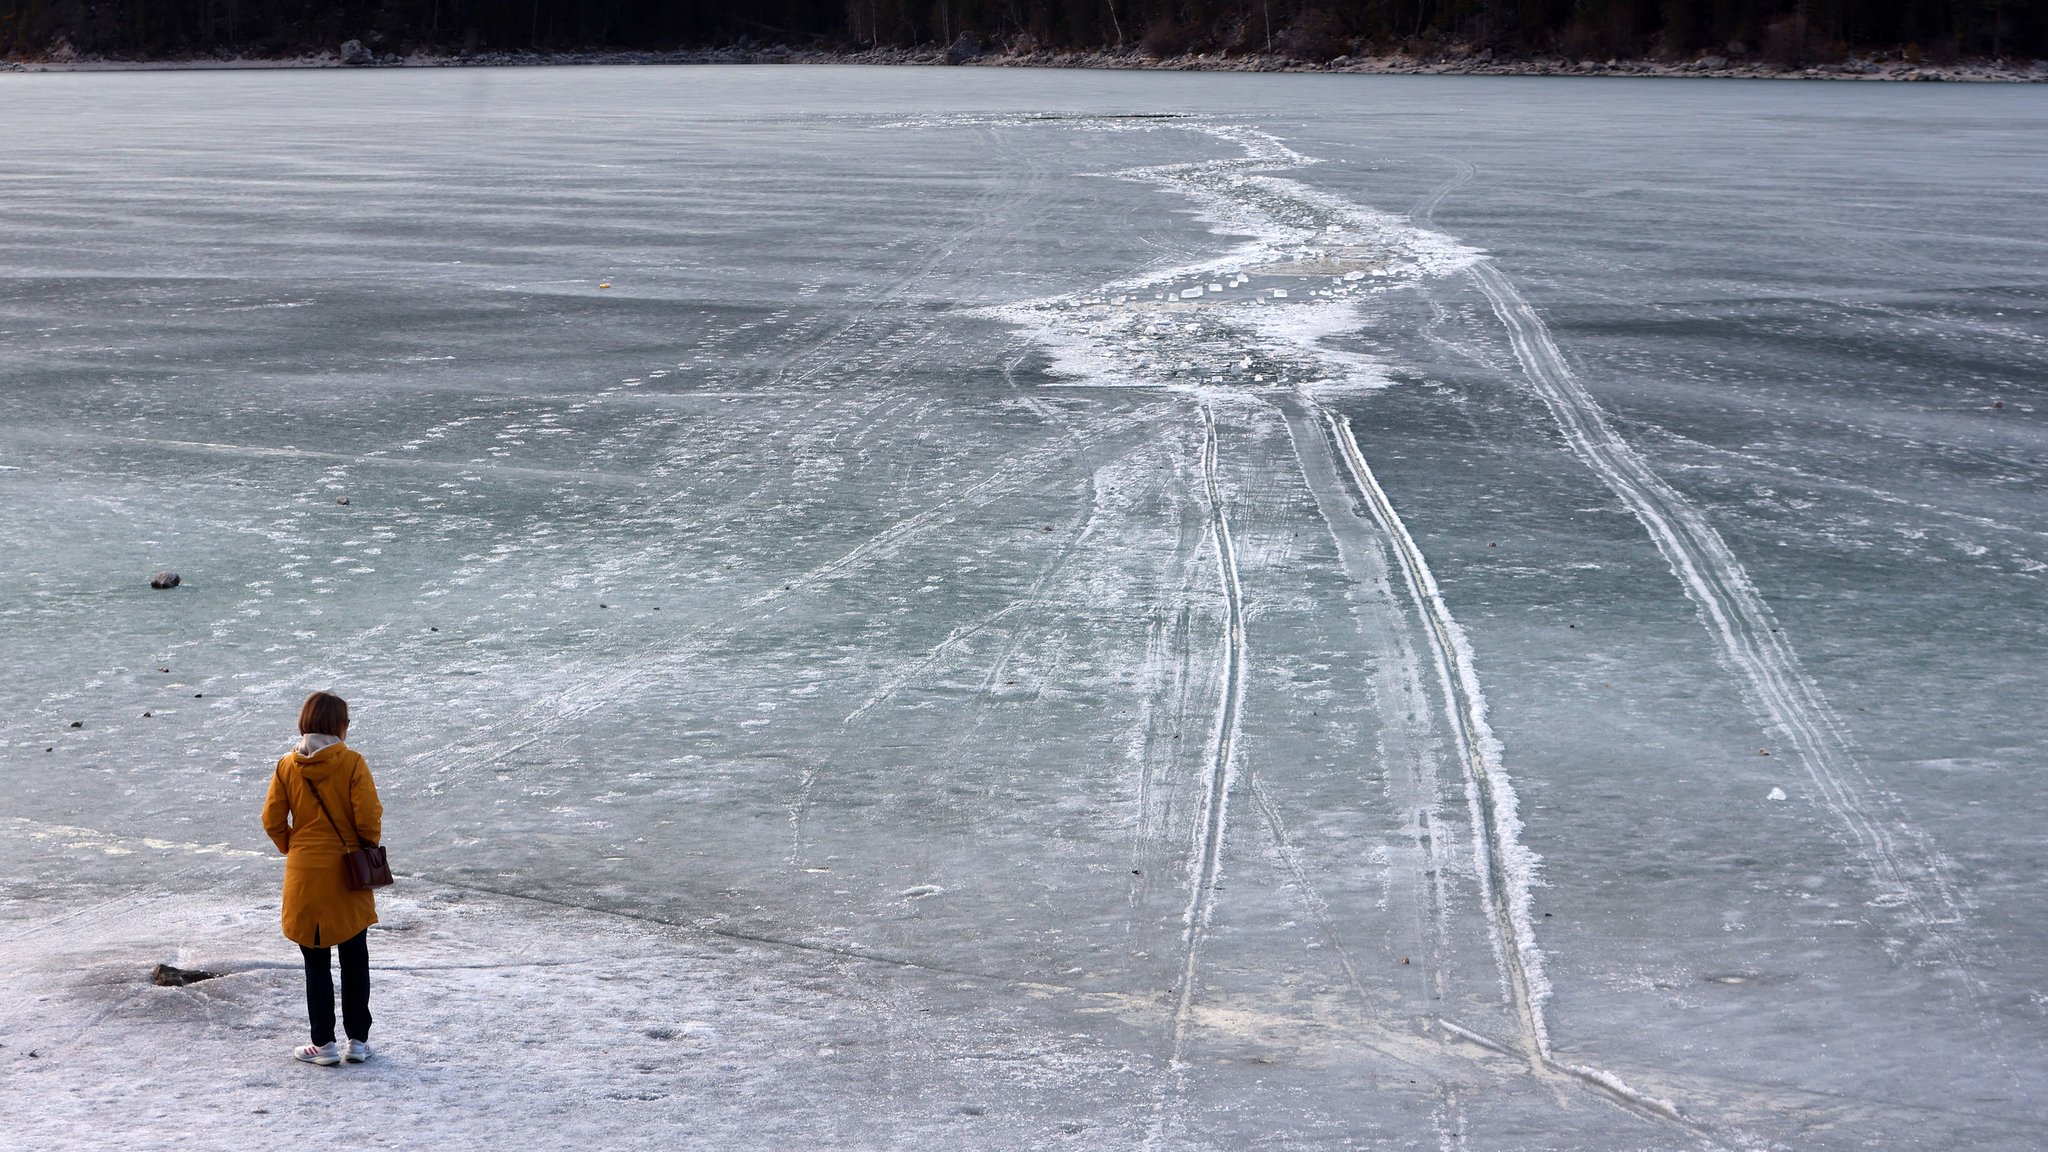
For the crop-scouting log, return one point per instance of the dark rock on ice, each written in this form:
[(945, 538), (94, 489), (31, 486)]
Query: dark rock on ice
[(342, 500), (166, 580), (78, 723), (353, 52), (165, 976)]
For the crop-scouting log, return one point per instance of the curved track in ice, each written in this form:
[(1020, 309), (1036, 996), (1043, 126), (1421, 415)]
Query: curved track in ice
[(1207, 858), (1249, 327), (1751, 644)]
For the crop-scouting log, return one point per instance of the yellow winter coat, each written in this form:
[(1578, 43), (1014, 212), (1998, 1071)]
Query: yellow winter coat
[(319, 909)]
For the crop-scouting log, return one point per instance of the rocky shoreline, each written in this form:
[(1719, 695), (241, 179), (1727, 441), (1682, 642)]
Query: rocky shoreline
[(1453, 61)]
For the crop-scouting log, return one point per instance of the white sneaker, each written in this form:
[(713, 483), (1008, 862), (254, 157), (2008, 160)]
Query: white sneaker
[(321, 1054), (355, 1051)]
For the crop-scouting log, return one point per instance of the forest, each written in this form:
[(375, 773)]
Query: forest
[(1787, 32)]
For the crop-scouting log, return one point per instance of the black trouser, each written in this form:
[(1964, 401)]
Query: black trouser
[(355, 989)]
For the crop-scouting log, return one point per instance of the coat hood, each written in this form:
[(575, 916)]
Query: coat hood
[(322, 762)]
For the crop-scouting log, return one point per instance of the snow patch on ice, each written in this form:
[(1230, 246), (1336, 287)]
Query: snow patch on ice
[(1186, 327)]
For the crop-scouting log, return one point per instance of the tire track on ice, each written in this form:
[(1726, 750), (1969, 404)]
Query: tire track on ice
[(1736, 615), (1206, 862), (1506, 867), (1414, 792)]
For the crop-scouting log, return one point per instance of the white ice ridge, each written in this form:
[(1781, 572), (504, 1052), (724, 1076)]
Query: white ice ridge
[(1255, 317)]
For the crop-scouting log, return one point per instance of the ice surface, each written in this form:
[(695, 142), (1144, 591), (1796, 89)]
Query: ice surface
[(1033, 624)]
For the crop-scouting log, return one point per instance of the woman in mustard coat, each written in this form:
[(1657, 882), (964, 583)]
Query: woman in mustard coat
[(320, 911)]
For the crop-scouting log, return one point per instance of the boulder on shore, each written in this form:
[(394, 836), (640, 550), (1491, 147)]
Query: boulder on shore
[(353, 52), (166, 580), (964, 48)]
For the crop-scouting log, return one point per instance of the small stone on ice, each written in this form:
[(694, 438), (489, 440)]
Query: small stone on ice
[(342, 500), (1776, 794), (166, 580), (165, 976), (78, 723)]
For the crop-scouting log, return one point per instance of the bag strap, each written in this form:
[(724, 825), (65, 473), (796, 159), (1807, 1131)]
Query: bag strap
[(330, 815)]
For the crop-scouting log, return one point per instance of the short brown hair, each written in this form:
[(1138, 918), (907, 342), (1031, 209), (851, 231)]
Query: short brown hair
[(324, 713)]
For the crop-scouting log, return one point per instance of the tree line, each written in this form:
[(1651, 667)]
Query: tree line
[(1784, 31)]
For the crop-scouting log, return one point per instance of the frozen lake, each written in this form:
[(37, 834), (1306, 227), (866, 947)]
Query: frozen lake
[(974, 609)]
